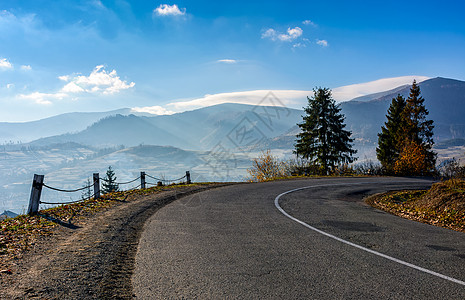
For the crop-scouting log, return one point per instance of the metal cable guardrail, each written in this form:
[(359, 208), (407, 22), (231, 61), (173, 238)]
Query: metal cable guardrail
[(38, 183), (128, 182), (68, 191), (165, 180), (69, 202)]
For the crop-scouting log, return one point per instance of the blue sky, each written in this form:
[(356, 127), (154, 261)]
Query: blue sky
[(97, 55)]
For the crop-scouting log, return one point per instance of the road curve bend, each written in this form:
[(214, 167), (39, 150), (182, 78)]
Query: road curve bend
[(311, 238)]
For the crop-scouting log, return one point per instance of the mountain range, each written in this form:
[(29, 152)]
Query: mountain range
[(214, 143), (444, 98), (60, 124), (203, 128), (200, 129)]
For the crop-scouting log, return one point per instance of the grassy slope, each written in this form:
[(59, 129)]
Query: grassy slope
[(19, 234), (442, 205)]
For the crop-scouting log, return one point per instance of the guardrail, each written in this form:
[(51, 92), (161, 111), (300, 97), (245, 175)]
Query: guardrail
[(38, 184)]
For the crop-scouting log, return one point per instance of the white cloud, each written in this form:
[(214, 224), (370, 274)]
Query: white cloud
[(292, 34), (72, 88), (154, 110), (299, 45), (64, 77), (227, 61), (270, 33), (10, 86), (350, 92), (99, 81), (294, 98), (5, 64), (169, 10), (308, 22), (287, 97), (26, 67), (323, 43), (43, 98)]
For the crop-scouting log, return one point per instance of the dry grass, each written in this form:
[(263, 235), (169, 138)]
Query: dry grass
[(442, 205), (19, 234)]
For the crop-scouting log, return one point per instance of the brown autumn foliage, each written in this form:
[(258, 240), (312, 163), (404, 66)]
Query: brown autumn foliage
[(265, 167), (412, 160), (442, 205)]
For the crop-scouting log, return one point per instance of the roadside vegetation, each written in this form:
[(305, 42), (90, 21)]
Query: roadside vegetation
[(267, 167), (442, 205), (406, 139), (21, 233), (323, 148), (322, 140)]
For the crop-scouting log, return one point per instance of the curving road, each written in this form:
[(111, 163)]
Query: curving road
[(319, 242)]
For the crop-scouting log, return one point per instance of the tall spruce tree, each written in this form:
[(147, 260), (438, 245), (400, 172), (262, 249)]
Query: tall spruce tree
[(389, 140), (406, 139), (109, 184), (419, 130), (322, 139)]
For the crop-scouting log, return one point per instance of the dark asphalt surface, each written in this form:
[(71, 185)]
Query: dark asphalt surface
[(232, 242)]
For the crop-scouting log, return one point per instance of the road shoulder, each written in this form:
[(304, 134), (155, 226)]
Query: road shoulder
[(94, 260)]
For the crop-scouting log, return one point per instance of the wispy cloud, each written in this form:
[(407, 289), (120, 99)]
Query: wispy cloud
[(43, 98), (352, 91), (290, 35), (26, 67), (11, 24), (169, 10), (322, 43), (291, 98), (287, 97), (299, 45), (227, 61), (5, 64), (154, 110), (308, 22)]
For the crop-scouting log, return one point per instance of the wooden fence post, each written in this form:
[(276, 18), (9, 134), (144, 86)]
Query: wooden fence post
[(188, 177), (96, 186), (142, 180), (36, 191)]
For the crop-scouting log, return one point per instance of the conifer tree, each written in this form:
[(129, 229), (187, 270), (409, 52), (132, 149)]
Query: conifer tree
[(109, 184), (406, 139), (419, 130), (389, 140), (323, 139), (87, 192)]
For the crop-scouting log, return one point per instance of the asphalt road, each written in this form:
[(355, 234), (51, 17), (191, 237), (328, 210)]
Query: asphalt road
[(233, 242)]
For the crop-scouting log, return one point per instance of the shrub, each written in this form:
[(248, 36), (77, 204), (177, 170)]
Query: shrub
[(412, 160), (368, 168), (265, 167), (299, 167), (451, 168)]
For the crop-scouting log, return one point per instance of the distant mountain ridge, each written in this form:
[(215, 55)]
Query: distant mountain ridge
[(204, 128), (375, 96), (60, 124), (444, 99), (199, 129)]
